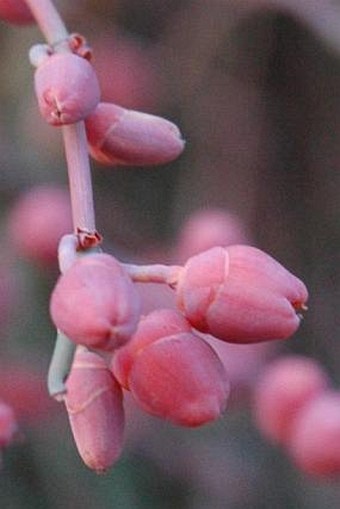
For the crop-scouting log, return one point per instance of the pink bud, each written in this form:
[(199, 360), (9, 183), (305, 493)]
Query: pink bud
[(180, 378), (67, 88), (15, 11), (314, 444), (95, 302), (8, 424), (127, 137), (240, 294), (94, 406), (156, 325), (38, 220), (283, 389)]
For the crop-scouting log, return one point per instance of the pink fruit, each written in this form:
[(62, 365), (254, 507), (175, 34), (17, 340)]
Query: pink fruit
[(38, 220), (240, 294), (94, 406), (15, 11), (152, 327), (95, 303), (314, 444), (281, 393), (118, 136), (8, 424), (180, 378), (67, 88)]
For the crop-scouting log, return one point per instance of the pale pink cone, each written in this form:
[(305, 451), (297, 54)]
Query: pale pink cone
[(314, 444), (181, 379), (94, 406), (152, 327), (118, 136), (95, 303), (240, 294), (283, 389), (16, 12), (67, 88)]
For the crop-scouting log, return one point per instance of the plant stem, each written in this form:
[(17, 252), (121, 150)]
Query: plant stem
[(79, 174), (75, 142), (48, 20), (166, 274), (60, 366)]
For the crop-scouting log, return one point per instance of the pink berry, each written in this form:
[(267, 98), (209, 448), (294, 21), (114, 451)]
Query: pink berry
[(314, 443), (15, 11), (126, 137), (38, 220), (181, 379), (94, 406), (281, 393), (67, 88), (156, 325), (206, 228), (240, 294), (8, 424), (95, 303)]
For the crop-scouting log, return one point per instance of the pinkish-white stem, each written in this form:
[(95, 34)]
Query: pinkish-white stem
[(166, 274), (48, 20), (54, 30), (79, 174)]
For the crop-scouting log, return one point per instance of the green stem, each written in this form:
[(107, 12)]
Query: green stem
[(60, 366)]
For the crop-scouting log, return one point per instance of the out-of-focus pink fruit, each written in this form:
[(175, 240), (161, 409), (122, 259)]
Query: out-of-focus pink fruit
[(8, 424), (24, 389), (94, 406), (67, 88), (37, 221), (118, 136), (281, 393), (15, 11), (208, 228), (95, 303), (314, 443), (244, 364), (180, 378), (240, 294), (152, 327), (126, 72)]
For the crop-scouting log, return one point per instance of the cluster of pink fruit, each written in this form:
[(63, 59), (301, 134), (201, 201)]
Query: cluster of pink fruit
[(295, 407), (237, 294)]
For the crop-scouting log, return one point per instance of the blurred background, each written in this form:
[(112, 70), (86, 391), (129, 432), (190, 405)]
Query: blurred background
[(254, 87)]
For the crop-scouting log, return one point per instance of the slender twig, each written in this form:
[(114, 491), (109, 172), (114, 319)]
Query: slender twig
[(166, 274), (60, 366), (54, 30), (48, 20)]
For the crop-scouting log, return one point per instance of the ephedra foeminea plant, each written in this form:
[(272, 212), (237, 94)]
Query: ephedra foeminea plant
[(237, 294)]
